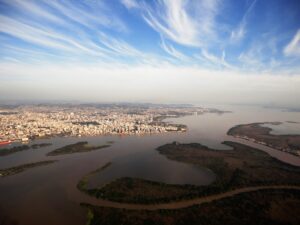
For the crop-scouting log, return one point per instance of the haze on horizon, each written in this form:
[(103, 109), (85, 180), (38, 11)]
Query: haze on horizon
[(164, 51)]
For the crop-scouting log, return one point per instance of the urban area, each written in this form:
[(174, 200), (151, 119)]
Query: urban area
[(25, 122)]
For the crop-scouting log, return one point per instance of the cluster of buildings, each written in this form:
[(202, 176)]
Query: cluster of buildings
[(28, 122)]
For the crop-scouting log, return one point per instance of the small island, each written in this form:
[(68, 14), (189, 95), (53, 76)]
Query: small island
[(257, 133), (78, 147), (18, 169), (15, 149), (41, 145)]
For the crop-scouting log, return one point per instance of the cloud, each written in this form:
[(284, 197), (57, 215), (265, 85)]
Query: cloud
[(188, 23), (129, 4), (293, 47), (91, 15), (219, 61), (239, 32), (168, 84), (173, 52), (32, 8), (190, 32), (69, 40)]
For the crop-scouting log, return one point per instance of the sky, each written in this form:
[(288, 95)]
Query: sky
[(160, 51)]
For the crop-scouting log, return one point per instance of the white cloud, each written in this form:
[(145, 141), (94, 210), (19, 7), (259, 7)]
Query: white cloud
[(129, 4), (293, 47), (91, 16), (75, 32), (173, 52), (219, 61), (239, 32), (34, 9), (101, 46), (185, 22), (144, 83)]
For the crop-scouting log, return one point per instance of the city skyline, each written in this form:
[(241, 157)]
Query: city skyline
[(151, 51)]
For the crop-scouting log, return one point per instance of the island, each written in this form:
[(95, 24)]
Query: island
[(41, 145), (18, 169), (255, 132), (78, 147), (235, 169), (15, 149)]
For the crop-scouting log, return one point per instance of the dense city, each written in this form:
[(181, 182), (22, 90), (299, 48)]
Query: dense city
[(25, 122)]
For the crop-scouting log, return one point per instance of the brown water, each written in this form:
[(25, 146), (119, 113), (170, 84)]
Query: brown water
[(48, 194)]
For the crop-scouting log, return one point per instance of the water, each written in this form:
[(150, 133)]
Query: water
[(48, 194), (286, 127)]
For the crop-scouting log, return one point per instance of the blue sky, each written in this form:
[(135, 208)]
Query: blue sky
[(209, 36)]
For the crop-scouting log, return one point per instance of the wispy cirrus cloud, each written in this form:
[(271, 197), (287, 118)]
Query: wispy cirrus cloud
[(129, 4), (135, 32), (173, 52), (60, 30), (239, 32), (189, 23), (293, 47), (219, 61)]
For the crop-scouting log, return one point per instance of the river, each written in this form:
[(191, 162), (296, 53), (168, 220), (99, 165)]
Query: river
[(48, 195)]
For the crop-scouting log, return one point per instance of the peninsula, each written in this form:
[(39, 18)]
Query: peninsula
[(241, 167), (255, 132)]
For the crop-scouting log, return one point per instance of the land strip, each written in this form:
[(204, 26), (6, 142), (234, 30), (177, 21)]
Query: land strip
[(257, 133), (78, 147), (15, 149), (21, 168)]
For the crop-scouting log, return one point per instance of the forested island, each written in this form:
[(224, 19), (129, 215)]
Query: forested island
[(78, 147), (18, 169)]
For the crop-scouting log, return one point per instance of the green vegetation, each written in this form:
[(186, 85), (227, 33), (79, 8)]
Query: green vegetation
[(265, 207), (75, 148), (241, 167), (18, 169)]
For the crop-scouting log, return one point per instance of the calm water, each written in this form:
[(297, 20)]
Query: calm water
[(286, 127), (48, 194)]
